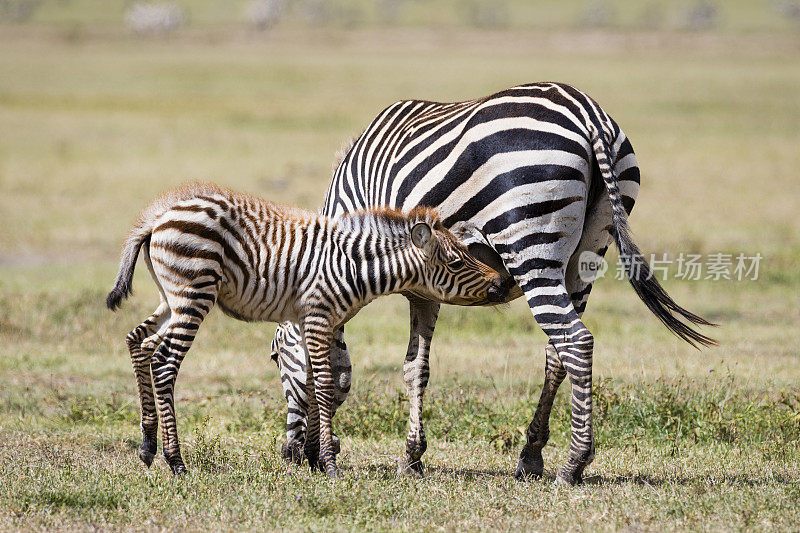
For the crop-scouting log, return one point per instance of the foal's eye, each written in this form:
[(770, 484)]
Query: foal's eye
[(458, 263)]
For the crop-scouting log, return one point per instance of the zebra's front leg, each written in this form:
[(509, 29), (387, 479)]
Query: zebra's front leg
[(416, 371), (292, 448), (311, 440), (142, 342), (289, 354), (318, 336), (531, 462), (341, 370)]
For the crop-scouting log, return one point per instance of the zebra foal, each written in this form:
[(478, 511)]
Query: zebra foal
[(259, 261)]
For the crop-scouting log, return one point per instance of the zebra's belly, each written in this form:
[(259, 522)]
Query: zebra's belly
[(257, 302)]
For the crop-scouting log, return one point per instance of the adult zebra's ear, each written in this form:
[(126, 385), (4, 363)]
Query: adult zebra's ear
[(421, 234)]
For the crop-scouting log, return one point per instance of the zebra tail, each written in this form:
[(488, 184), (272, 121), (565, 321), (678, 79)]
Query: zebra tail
[(123, 284), (637, 269)]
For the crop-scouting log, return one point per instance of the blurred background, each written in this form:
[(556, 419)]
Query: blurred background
[(114, 100), (263, 15), (103, 104)]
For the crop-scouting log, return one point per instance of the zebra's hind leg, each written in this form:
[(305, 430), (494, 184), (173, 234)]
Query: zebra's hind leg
[(416, 372), (552, 307), (579, 284), (582, 269), (141, 349), (166, 361), (531, 462), (575, 352)]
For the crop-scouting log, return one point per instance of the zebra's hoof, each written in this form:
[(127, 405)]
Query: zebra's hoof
[(146, 456), (315, 464), (411, 468), (569, 479), (292, 451), (336, 446), (332, 472), (561, 481), (529, 469), (178, 468), (147, 452), (572, 471)]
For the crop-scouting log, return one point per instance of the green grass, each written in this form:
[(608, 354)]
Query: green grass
[(92, 128)]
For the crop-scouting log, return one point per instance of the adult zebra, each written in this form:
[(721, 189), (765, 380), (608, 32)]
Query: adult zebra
[(546, 175)]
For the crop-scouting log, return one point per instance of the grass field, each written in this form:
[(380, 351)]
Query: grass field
[(92, 128)]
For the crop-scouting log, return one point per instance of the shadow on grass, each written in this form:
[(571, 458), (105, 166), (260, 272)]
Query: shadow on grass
[(389, 471), (468, 473), (700, 479), (473, 474)]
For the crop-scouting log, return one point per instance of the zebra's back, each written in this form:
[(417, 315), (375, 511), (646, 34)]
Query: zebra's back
[(471, 159)]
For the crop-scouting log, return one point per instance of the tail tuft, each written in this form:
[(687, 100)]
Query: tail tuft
[(655, 297), (123, 284), (117, 294)]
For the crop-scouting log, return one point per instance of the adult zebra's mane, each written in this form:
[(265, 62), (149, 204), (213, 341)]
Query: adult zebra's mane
[(342, 152)]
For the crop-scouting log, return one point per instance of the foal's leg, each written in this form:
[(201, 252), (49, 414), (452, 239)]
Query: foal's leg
[(318, 337), (341, 372), (166, 361), (311, 444), (290, 355), (141, 352), (416, 371)]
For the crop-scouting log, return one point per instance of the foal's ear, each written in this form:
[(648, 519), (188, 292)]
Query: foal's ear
[(421, 234)]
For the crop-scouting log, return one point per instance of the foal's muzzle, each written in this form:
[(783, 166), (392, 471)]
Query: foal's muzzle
[(499, 292), (496, 293)]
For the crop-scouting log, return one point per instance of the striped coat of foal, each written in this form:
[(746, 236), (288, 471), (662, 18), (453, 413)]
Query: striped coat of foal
[(259, 261)]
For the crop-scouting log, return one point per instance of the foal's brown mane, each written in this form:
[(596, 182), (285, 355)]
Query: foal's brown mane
[(395, 216)]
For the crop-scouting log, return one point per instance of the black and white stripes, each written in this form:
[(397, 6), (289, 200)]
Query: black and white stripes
[(544, 174), (259, 261)]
